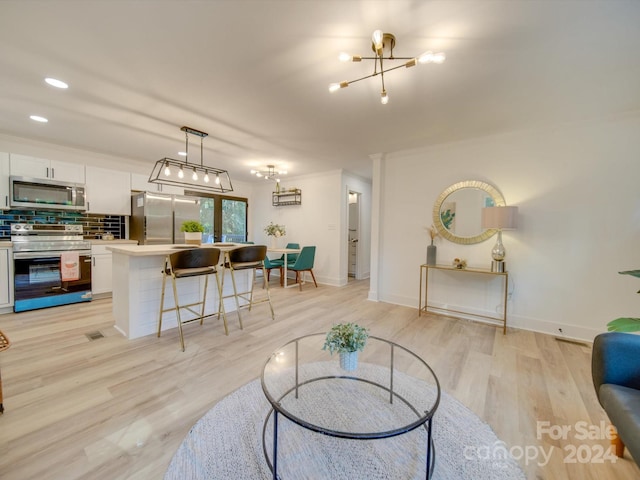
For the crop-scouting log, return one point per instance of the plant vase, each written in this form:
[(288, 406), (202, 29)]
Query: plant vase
[(193, 238), (349, 361), (431, 254), (274, 241)]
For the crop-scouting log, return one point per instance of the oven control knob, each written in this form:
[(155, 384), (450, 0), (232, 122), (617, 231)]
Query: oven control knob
[(27, 227), (17, 227)]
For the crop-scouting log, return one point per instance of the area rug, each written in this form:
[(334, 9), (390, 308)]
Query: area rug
[(227, 443)]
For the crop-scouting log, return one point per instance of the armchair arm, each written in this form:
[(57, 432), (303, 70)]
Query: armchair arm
[(616, 360)]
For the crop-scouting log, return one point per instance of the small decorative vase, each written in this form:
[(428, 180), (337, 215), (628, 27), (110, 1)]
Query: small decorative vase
[(274, 241), (193, 238), (431, 254), (349, 361)]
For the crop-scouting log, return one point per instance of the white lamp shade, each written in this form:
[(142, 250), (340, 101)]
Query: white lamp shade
[(503, 218)]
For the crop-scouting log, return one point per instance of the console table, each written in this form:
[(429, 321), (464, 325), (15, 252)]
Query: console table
[(424, 280)]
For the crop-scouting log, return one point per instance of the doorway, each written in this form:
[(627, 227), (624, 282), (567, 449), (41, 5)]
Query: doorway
[(353, 234)]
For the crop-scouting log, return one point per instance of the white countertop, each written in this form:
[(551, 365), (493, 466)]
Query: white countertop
[(111, 242), (150, 250)]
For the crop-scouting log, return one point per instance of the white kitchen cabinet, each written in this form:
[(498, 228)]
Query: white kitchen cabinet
[(141, 183), (26, 166), (108, 191), (6, 277), (101, 271), (4, 181)]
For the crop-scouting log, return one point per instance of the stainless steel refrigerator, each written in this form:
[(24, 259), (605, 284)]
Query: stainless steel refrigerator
[(156, 218)]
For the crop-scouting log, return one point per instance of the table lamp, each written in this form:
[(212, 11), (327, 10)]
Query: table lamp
[(500, 218)]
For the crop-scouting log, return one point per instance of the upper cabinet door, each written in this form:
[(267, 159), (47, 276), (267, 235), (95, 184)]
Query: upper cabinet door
[(4, 181), (141, 183), (67, 172), (108, 191), (26, 166)]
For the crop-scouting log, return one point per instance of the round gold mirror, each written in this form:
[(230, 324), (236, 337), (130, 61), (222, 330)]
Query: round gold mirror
[(457, 213)]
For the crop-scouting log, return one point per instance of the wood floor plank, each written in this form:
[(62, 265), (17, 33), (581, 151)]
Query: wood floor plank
[(117, 409)]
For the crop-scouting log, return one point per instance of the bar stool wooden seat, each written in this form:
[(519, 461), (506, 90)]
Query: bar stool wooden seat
[(250, 258), (185, 264), (4, 344)]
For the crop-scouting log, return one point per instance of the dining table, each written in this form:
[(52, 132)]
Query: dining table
[(286, 252)]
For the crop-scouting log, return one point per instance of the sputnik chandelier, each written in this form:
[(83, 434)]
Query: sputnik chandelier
[(270, 173), (382, 45), (169, 171)]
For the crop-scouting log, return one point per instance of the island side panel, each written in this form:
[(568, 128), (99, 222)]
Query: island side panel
[(137, 291)]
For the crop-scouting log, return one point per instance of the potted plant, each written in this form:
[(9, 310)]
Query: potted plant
[(626, 324), (347, 339), (192, 231), (275, 231)]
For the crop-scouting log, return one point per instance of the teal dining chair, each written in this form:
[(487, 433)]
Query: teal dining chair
[(304, 263)]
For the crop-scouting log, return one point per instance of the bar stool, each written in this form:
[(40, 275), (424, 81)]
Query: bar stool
[(251, 258), (191, 263), (4, 344)]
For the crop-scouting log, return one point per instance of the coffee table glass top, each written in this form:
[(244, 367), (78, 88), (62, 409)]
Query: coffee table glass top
[(392, 390)]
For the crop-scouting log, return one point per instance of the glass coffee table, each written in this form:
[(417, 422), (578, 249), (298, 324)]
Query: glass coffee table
[(392, 393)]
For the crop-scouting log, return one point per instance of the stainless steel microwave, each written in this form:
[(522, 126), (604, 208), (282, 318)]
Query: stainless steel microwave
[(40, 193)]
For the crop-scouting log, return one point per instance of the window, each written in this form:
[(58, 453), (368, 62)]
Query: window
[(224, 218)]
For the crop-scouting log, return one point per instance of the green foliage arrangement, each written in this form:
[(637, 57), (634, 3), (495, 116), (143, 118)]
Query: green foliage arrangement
[(626, 324), (275, 230), (191, 226), (346, 337)]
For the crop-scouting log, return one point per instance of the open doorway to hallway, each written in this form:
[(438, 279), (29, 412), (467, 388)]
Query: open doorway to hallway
[(354, 234)]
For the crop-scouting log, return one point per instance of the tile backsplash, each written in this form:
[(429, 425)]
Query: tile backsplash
[(94, 225)]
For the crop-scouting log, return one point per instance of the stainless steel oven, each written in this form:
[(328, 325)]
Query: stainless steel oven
[(52, 266)]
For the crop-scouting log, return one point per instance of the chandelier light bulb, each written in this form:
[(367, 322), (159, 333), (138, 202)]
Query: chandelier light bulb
[(195, 175), (258, 174), (376, 38), (344, 57), (206, 176), (167, 170), (426, 57), (384, 98), (439, 57), (181, 173), (217, 179)]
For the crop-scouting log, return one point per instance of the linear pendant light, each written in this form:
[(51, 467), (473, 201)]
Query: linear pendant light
[(181, 173)]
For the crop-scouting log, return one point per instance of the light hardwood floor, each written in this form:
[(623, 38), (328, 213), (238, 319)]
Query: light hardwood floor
[(118, 409)]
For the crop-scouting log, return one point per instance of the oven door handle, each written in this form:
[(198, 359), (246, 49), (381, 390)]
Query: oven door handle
[(50, 254)]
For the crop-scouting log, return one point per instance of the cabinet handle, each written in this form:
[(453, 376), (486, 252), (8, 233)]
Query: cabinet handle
[(48, 172), (93, 261), (53, 173)]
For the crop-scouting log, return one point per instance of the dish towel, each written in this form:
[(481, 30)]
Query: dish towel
[(69, 266)]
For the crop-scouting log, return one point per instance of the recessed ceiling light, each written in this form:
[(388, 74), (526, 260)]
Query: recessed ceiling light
[(38, 118), (56, 83)]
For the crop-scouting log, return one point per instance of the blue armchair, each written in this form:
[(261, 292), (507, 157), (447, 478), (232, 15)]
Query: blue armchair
[(615, 369)]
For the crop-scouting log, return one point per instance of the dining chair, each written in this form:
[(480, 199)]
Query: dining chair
[(185, 264), (304, 263), (270, 265), (249, 257), (290, 257)]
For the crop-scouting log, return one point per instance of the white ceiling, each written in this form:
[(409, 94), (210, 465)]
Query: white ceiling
[(254, 75)]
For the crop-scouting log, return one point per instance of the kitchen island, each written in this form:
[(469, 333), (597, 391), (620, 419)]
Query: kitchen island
[(137, 288)]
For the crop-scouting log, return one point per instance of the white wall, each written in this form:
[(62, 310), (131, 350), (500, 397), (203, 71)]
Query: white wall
[(319, 221), (579, 224)]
